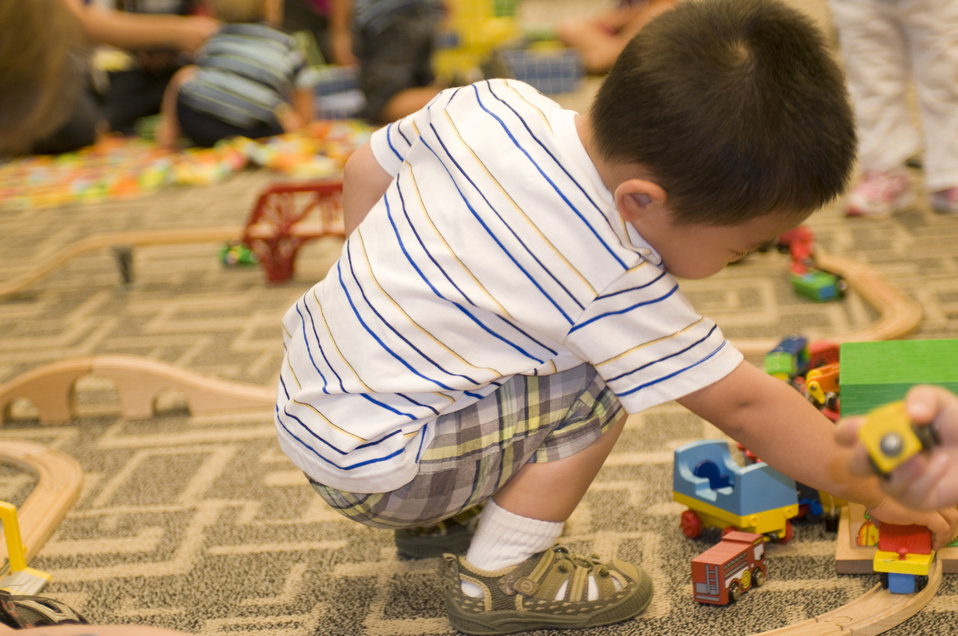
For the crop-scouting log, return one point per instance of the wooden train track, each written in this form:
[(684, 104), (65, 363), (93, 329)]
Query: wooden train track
[(874, 612), (59, 479), (52, 388), (284, 217), (898, 313), (119, 240)]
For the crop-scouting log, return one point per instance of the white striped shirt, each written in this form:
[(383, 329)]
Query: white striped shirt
[(495, 251)]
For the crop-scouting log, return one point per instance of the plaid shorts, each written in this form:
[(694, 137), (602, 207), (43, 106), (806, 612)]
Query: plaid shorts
[(478, 449)]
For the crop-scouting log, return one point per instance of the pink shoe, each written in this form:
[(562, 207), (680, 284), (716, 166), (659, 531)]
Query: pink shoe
[(945, 201), (880, 194)]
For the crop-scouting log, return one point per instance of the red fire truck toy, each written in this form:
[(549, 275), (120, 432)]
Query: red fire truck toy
[(728, 569)]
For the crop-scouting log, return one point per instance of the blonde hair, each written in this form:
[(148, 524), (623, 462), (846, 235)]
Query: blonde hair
[(39, 76), (239, 10)]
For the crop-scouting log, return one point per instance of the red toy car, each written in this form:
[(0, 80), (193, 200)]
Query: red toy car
[(728, 569)]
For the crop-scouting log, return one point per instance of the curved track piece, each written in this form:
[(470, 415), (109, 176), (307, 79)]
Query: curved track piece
[(52, 388), (898, 312), (874, 612), (117, 239), (59, 481)]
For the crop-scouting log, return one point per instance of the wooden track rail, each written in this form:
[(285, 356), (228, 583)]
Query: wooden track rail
[(874, 612), (59, 481), (52, 388), (117, 240), (898, 313), (284, 217)]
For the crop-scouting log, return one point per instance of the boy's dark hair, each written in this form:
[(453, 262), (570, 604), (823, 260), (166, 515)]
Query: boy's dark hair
[(736, 107)]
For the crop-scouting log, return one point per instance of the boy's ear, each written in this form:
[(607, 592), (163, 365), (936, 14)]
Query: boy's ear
[(635, 198)]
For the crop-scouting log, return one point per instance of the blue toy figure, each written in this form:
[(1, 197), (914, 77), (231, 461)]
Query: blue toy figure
[(721, 493)]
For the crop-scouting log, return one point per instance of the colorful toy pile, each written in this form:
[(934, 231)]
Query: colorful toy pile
[(120, 167)]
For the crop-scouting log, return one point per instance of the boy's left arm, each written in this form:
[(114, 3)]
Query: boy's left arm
[(775, 422)]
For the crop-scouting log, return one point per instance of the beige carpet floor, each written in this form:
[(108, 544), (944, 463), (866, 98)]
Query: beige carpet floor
[(200, 523)]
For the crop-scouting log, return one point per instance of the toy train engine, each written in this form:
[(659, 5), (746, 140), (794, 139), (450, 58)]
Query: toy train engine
[(721, 493), (728, 569), (789, 358), (891, 438), (822, 387), (903, 558)]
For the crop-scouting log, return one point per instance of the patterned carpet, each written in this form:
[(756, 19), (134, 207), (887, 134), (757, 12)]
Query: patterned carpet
[(199, 523)]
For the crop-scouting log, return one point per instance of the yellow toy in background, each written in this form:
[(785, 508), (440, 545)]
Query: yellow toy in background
[(475, 28), (891, 438), (20, 579)]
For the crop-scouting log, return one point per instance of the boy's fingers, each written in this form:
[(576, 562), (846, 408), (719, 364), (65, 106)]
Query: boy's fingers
[(846, 433), (859, 464), (918, 480), (942, 536)]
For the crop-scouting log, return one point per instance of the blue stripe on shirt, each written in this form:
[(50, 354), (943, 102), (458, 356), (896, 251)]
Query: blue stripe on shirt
[(664, 358), (625, 309), (555, 187), (319, 455), (675, 373), (515, 234), (457, 305), (412, 346)]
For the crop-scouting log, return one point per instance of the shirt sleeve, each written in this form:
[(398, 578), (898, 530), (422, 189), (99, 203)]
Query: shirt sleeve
[(390, 144), (648, 343)]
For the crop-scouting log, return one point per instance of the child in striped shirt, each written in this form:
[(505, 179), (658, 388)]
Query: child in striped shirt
[(509, 291), (249, 79)]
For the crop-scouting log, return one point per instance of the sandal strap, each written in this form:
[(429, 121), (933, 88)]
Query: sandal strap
[(557, 570), (21, 611)]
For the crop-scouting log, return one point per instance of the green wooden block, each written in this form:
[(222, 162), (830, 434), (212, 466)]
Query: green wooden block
[(876, 373)]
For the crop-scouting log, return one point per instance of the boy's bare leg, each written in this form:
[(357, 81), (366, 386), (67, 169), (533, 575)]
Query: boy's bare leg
[(551, 491)]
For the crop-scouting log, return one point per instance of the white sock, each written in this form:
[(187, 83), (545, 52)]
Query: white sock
[(504, 539)]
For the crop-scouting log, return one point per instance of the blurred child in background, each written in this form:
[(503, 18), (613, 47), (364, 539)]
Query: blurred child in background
[(394, 42), (888, 46), (48, 102), (161, 37), (250, 79), (601, 38)]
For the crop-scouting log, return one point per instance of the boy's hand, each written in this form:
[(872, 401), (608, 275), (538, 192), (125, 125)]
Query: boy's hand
[(942, 523), (929, 480)]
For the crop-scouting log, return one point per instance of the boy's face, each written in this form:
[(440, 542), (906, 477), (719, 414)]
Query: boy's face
[(699, 251)]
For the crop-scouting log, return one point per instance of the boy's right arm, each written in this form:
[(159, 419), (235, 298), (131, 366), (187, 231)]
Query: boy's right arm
[(927, 481), (364, 183), (779, 425)]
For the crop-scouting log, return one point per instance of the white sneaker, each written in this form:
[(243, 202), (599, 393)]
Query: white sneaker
[(945, 201), (880, 194)]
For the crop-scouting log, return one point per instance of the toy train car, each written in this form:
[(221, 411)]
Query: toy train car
[(891, 438), (819, 285), (728, 569), (903, 558), (721, 493), (788, 359)]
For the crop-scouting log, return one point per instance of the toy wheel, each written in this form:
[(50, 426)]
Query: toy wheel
[(781, 536), (758, 577), (788, 532), (920, 582), (691, 524), (734, 592), (883, 579), (728, 529)]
